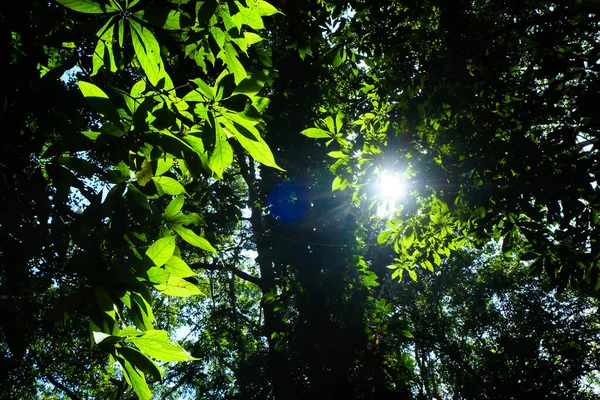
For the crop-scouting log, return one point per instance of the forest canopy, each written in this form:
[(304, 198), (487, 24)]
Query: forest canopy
[(274, 200)]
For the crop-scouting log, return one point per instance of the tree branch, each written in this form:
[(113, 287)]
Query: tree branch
[(62, 387), (237, 272)]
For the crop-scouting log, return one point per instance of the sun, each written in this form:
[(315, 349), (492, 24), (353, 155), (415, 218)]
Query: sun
[(391, 186), (390, 189)]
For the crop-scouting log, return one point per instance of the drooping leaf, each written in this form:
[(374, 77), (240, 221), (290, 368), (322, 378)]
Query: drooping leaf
[(189, 236), (147, 52), (103, 54), (141, 311), (222, 154), (99, 101), (136, 379), (141, 362)]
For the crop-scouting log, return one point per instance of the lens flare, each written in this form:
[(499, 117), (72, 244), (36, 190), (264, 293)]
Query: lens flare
[(390, 189)]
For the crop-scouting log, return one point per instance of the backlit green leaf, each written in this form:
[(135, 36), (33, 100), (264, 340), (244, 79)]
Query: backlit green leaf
[(141, 312), (187, 219), (99, 101), (89, 6), (168, 185), (147, 51), (189, 236), (177, 267), (222, 154), (161, 250), (178, 287), (141, 362), (156, 344), (136, 379), (248, 17), (157, 275), (316, 133), (174, 207), (258, 149), (263, 8), (229, 57), (145, 174)]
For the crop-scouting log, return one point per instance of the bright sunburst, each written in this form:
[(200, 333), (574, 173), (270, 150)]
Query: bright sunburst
[(390, 189)]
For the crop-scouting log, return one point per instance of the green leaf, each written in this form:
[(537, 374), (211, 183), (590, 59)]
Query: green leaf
[(257, 147), (168, 185), (253, 84), (337, 154), (339, 57), (264, 9), (187, 219), (121, 34), (339, 183), (156, 344), (142, 314), (104, 338), (137, 196), (147, 51), (316, 133), (248, 17), (383, 236), (408, 239), (177, 267), (141, 362), (189, 236), (413, 274), (178, 287), (99, 101), (203, 93), (130, 331), (103, 53), (157, 275), (339, 121), (163, 165), (161, 250), (229, 57), (164, 18), (437, 259), (407, 334), (136, 379), (222, 154), (330, 124), (174, 207), (89, 6), (145, 174)]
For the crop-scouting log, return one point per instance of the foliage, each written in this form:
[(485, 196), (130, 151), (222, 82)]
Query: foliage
[(142, 140), (141, 202)]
